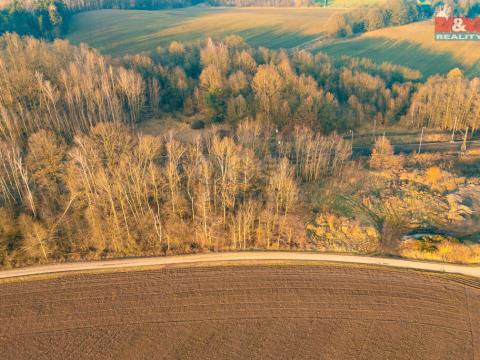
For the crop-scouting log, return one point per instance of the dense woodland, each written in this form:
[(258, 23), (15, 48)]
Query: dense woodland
[(46, 19), (261, 163)]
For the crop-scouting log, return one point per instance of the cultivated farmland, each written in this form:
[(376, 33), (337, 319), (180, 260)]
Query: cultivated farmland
[(413, 46), (262, 311), (117, 32)]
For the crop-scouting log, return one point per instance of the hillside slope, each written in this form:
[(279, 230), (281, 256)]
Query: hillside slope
[(116, 32), (413, 46)]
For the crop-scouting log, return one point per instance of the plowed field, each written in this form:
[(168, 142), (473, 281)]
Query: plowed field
[(242, 312)]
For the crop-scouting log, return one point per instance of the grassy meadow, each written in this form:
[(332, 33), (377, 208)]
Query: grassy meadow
[(413, 46), (117, 32)]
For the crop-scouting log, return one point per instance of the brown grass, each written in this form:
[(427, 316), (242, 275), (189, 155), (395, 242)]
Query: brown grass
[(449, 252)]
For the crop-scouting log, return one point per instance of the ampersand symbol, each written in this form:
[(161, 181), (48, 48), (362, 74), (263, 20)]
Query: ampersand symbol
[(458, 25)]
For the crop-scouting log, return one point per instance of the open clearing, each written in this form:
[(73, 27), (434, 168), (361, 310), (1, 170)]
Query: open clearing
[(117, 32), (413, 46), (251, 312)]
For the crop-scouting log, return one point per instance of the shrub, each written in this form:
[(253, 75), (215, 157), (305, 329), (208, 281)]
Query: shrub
[(338, 233), (198, 125), (383, 157), (441, 249)]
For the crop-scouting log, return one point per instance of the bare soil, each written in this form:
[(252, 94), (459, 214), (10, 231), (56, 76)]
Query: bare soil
[(242, 312)]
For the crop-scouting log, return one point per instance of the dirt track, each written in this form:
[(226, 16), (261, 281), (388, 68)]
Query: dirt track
[(242, 312), (473, 271)]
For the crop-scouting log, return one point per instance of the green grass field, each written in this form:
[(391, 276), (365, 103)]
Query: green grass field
[(413, 46), (117, 32)]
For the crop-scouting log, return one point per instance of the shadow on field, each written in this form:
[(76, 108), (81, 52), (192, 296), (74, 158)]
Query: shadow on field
[(403, 53)]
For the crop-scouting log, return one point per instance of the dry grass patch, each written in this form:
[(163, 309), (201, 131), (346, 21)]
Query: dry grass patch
[(441, 250)]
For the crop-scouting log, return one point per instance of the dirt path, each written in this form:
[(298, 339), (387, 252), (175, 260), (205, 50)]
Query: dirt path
[(239, 256), (426, 147)]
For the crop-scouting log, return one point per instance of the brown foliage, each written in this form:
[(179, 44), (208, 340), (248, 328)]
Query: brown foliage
[(383, 157), (53, 86)]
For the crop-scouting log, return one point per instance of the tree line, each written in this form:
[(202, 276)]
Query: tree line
[(46, 19), (470, 8), (85, 5), (227, 81), (393, 13), (451, 102), (265, 3), (59, 87), (49, 18), (62, 88), (377, 16)]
